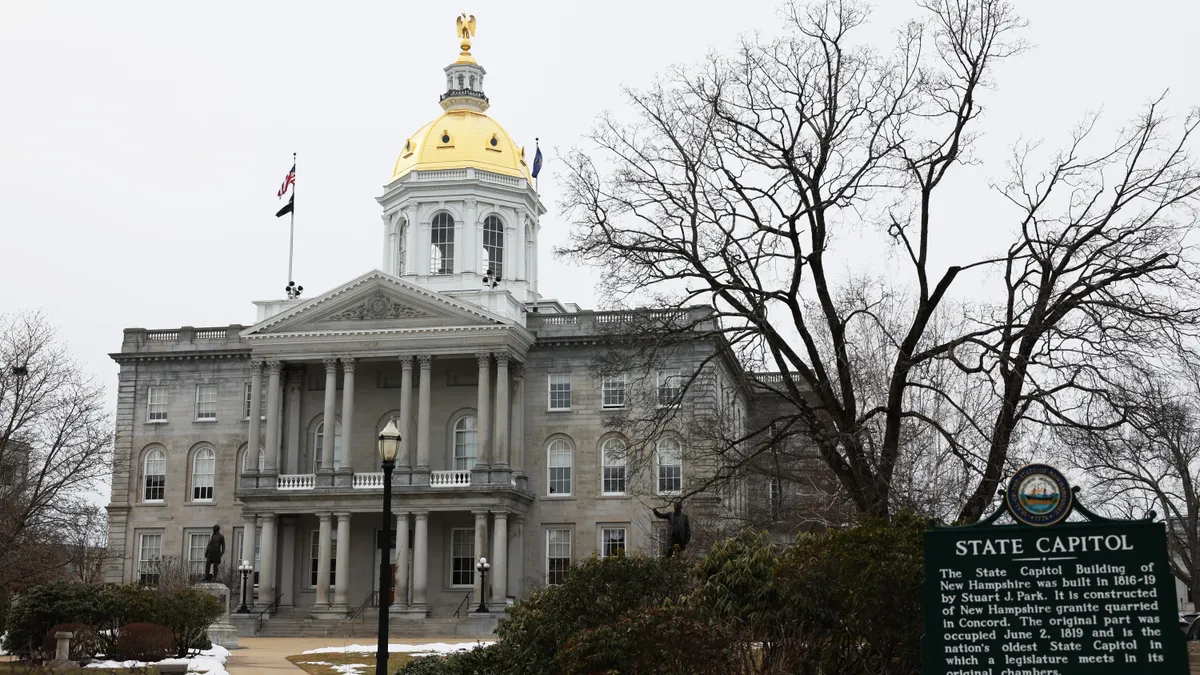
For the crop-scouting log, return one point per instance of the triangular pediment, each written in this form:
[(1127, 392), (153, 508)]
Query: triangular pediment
[(372, 302)]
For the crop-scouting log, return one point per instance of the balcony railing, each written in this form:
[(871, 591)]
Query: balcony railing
[(368, 481), (296, 481), (444, 479)]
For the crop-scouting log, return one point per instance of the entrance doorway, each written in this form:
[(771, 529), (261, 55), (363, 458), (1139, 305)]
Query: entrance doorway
[(375, 575)]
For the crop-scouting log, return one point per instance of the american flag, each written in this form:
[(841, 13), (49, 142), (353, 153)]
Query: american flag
[(288, 180)]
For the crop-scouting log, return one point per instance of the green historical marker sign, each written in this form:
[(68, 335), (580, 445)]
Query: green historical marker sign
[(1049, 597)]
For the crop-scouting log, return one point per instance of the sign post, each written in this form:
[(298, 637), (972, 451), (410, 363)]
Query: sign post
[(1044, 596)]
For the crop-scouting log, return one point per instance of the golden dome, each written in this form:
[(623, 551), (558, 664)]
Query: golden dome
[(460, 139)]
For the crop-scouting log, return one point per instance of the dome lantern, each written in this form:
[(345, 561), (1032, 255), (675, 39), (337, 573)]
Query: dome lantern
[(464, 77)]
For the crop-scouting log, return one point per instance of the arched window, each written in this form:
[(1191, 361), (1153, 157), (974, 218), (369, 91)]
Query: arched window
[(670, 466), (248, 463), (493, 247), (155, 472), (460, 81), (471, 82), (401, 247), (441, 252), (204, 465), (558, 467), (613, 476), (319, 445), (466, 443)]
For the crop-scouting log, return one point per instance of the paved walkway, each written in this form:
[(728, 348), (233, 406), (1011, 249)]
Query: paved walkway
[(269, 655)]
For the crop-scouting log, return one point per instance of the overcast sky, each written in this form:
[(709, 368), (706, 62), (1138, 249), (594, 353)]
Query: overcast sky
[(141, 144)]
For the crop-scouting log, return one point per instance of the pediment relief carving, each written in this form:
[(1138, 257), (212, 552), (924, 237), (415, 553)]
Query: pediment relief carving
[(378, 306)]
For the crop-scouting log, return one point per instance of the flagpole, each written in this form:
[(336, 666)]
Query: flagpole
[(292, 228)]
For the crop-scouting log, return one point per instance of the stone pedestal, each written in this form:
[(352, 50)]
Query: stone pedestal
[(221, 632), (62, 650)]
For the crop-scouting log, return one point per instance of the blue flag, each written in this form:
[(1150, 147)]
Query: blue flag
[(537, 162)]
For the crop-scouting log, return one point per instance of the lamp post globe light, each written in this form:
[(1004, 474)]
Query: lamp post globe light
[(389, 447), (482, 567), (245, 569)]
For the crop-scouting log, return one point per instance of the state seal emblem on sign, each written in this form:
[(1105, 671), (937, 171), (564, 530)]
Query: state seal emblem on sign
[(1038, 494)]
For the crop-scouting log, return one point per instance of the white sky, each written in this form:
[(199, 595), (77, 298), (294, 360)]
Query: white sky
[(141, 143)]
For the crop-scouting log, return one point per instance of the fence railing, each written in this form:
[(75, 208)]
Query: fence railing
[(296, 481), (449, 478), (368, 481)]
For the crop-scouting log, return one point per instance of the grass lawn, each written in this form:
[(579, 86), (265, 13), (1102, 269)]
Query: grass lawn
[(7, 668), (305, 662)]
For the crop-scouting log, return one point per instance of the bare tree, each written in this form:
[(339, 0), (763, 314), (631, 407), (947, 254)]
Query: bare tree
[(736, 183), (86, 544), (1151, 460), (55, 438)]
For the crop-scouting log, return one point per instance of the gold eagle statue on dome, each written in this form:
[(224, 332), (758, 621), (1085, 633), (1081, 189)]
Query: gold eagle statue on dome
[(466, 26)]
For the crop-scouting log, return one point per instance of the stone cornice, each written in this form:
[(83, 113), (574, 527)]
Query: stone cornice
[(122, 357)]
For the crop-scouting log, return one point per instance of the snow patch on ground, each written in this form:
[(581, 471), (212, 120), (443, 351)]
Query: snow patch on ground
[(210, 661), (346, 668), (416, 650)]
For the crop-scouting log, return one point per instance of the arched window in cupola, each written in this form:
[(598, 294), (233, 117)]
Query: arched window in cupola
[(493, 247), (441, 250)]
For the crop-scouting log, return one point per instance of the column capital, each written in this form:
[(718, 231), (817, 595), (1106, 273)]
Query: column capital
[(331, 364), (256, 364), (500, 515), (406, 361), (484, 359), (480, 514), (502, 359), (325, 515), (420, 514), (516, 369), (274, 366), (295, 377), (342, 514), (348, 363), (425, 360)]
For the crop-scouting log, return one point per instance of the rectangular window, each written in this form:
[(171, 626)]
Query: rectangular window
[(156, 406), (613, 471), (613, 390), (197, 543), (462, 557), (558, 555), (670, 467), (314, 559), (262, 408), (612, 541), (206, 401), (149, 556), (560, 391), (670, 387)]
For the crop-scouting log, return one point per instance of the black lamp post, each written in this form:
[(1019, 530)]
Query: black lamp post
[(389, 447), (482, 567), (245, 569)]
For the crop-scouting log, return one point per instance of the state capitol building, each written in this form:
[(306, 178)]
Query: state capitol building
[(270, 430)]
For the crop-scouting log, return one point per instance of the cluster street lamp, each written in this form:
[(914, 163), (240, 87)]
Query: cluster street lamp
[(482, 567), (389, 447), (245, 569)]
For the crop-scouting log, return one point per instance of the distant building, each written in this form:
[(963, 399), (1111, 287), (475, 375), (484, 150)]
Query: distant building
[(270, 430)]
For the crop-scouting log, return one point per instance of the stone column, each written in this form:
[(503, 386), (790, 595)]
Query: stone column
[(295, 390), (499, 561), (483, 411), (500, 456), (254, 436), (329, 420), (423, 414), (480, 552), (278, 448), (420, 559), (517, 438), (272, 464), (248, 530), (347, 420), (401, 583), (342, 584), (516, 555), (266, 576), (287, 559), (405, 460), (324, 551)]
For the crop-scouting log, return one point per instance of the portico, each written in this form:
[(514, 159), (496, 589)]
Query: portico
[(333, 379)]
